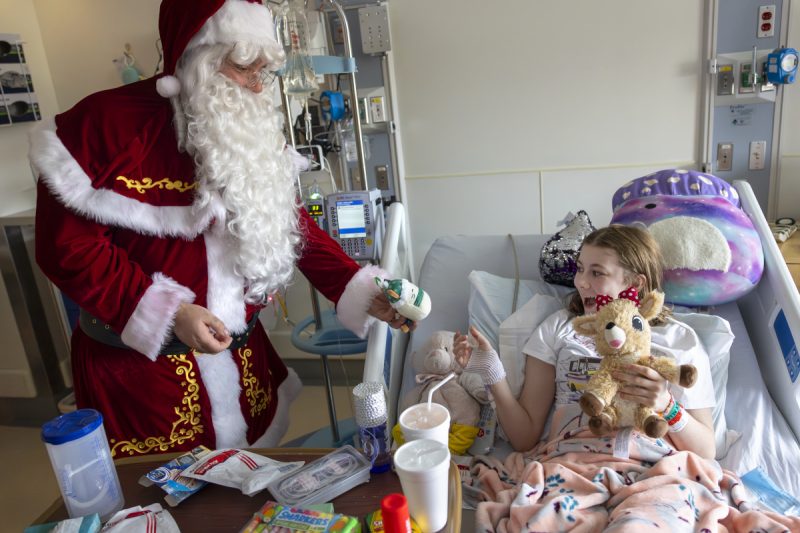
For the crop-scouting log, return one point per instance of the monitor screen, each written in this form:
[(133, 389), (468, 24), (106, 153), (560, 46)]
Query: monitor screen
[(352, 223)]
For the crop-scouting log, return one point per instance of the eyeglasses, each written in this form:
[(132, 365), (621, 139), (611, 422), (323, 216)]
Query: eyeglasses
[(253, 76)]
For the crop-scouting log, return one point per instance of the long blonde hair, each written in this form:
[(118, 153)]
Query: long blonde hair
[(638, 253)]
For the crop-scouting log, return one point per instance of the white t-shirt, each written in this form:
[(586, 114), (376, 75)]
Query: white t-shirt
[(574, 356)]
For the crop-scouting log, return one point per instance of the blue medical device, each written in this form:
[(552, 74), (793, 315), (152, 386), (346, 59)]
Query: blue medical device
[(332, 104), (782, 65)]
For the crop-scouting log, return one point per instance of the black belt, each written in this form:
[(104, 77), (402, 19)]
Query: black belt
[(98, 330)]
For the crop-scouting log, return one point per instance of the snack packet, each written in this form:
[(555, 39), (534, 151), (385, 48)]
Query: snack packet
[(169, 476), (239, 469), (274, 517)]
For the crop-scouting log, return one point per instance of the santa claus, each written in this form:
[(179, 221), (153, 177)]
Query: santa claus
[(167, 210)]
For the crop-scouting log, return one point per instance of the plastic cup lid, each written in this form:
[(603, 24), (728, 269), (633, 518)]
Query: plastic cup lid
[(71, 426)]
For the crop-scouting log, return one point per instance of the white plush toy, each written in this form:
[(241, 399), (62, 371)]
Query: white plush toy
[(406, 298)]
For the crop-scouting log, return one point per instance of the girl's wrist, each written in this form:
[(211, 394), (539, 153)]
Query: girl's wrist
[(670, 400)]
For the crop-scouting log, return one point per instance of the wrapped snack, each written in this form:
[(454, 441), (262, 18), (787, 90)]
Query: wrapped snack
[(239, 469), (81, 524), (135, 519), (169, 476), (274, 517)]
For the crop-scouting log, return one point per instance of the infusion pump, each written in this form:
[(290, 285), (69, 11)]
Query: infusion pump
[(355, 221)]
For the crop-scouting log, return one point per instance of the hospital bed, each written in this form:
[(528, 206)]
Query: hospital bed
[(762, 401)]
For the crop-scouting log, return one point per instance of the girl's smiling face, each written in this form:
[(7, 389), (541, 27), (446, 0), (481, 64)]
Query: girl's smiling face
[(599, 272)]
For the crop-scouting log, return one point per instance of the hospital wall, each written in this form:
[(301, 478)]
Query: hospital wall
[(788, 182), (511, 114)]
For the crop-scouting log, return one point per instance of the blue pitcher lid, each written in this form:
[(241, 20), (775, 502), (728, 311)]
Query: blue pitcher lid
[(71, 426)]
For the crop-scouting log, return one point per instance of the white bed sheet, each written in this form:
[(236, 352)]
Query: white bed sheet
[(766, 439)]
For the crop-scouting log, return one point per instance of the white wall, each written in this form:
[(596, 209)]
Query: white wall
[(82, 37), (513, 113), (789, 158)]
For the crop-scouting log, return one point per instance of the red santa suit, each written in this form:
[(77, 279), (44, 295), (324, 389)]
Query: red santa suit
[(116, 231)]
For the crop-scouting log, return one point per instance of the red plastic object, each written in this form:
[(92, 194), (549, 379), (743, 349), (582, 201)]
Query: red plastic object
[(394, 510)]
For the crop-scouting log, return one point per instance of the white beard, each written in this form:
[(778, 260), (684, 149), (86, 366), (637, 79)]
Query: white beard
[(237, 142)]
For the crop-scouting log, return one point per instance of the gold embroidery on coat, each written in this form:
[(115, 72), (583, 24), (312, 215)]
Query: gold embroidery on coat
[(255, 394), (186, 427), (148, 183)]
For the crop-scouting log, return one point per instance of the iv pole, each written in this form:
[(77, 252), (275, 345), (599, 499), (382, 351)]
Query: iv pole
[(362, 168)]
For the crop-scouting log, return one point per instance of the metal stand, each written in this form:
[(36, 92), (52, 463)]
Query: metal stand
[(329, 338)]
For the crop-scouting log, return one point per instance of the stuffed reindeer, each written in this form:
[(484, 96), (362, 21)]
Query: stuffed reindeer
[(621, 331)]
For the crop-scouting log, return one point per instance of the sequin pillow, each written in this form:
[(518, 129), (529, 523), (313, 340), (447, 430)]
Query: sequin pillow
[(558, 260)]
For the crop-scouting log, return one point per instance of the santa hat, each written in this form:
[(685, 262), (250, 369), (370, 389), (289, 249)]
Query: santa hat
[(186, 24)]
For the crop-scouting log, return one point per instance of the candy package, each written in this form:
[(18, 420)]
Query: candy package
[(273, 517), (169, 476), (239, 469)]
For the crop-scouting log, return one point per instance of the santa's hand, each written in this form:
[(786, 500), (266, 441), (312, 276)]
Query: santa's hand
[(198, 328), (484, 360), (381, 309)]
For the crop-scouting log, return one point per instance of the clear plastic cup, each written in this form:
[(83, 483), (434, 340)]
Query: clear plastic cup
[(78, 449)]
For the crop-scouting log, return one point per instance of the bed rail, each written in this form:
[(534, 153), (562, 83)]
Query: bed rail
[(396, 260), (772, 316)]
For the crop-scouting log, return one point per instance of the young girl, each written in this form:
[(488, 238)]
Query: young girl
[(560, 361)]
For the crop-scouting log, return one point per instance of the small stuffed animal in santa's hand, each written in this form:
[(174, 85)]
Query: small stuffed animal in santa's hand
[(406, 298)]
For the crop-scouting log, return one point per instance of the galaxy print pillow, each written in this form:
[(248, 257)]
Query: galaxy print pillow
[(712, 253), (558, 259)]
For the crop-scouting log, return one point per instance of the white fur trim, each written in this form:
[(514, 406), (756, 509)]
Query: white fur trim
[(301, 162), (288, 391), (225, 295), (150, 325), (237, 21), (220, 375), (692, 243), (168, 86), (66, 179), (356, 299)]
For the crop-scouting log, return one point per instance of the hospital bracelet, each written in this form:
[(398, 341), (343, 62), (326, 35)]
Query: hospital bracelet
[(675, 415)]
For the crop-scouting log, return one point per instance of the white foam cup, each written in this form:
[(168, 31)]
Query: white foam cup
[(422, 466), (78, 449), (419, 422)]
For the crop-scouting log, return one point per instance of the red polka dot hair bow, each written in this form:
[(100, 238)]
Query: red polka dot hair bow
[(629, 294)]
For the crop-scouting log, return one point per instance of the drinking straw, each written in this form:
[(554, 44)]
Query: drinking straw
[(433, 389)]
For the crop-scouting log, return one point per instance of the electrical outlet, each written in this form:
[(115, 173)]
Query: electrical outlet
[(766, 21), (382, 177), (758, 154), (725, 80), (725, 156), (376, 109)]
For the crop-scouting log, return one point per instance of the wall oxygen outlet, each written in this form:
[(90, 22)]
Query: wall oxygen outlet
[(758, 154), (725, 156)]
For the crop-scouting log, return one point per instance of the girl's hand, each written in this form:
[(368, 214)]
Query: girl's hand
[(643, 385), (483, 360), (461, 349)]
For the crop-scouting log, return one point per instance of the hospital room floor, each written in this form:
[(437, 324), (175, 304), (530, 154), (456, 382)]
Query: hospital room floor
[(29, 486)]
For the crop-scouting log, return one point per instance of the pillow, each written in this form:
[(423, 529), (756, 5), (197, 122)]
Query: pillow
[(514, 332), (559, 256), (491, 300), (716, 337), (489, 311), (712, 252)]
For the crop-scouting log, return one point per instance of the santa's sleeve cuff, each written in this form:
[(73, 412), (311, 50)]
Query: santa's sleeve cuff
[(357, 296), (150, 325)]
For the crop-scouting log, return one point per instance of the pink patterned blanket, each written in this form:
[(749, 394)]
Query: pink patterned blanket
[(582, 483)]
